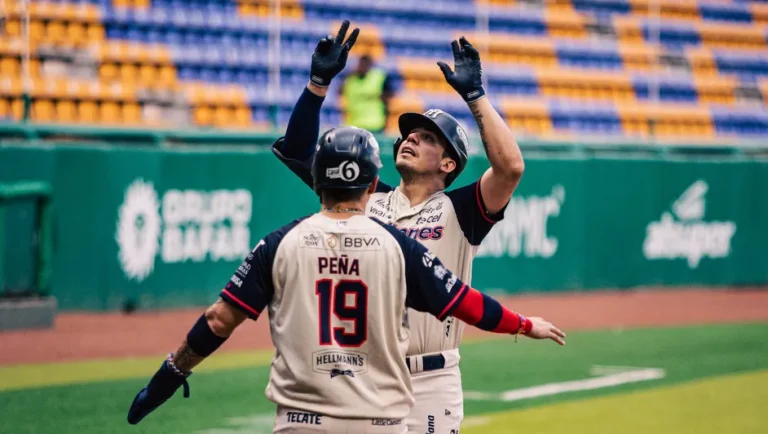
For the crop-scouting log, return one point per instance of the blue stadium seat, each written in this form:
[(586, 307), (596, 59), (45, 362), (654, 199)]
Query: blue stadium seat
[(584, 117), (726, 12), (517, 23), (608, 6), (741, 123), (584, 56), (673, 35), (743, 64)]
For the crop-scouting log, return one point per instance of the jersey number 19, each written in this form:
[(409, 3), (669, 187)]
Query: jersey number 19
[(349, 301)]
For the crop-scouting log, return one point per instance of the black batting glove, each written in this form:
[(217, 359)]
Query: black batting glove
[(330, 55), (466, 79)]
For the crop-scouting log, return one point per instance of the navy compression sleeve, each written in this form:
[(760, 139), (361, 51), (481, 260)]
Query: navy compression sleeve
[(303, 127)]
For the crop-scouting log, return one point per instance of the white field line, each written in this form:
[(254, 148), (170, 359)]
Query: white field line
[(610, 377)]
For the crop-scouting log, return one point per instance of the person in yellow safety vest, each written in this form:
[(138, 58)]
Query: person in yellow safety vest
[(366, 93)]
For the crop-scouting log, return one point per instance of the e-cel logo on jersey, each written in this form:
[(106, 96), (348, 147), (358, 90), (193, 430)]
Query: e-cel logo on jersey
[(187, 225), (683, 233)]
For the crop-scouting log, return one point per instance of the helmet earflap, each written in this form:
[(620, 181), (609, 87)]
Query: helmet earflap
[(397, 146)]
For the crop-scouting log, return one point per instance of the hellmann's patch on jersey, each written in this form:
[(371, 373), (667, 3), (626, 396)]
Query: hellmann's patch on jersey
[(340, 362), (340, 242)]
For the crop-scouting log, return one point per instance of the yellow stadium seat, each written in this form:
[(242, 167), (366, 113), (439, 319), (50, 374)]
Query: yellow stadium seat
[(131, 113), (148, 75), (95, 32), (223, 116), (128, 73), (141, 4), (76, 33), (167, 76), (36, 30), (242, 116), (110, 112), (108, 71), (34, 68), (87, 112), (13, 27), (10, 66), (17, 109), (41, 10), (121, 3), (56, 32), (42, 111), (202, 115), (5, 108), (65, 111)]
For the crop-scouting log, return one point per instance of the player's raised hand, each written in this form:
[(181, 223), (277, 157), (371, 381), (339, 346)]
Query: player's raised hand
[(466, 78), (330, 56), (543, 329)]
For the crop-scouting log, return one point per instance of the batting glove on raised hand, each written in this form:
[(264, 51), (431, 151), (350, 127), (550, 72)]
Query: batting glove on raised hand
[(161, 387), (466, 79), (330, 56)]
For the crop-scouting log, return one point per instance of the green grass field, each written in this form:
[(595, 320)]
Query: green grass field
[(700, 380)]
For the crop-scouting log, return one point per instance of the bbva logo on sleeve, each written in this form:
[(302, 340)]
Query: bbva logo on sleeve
[(683, 233), (183, 225)]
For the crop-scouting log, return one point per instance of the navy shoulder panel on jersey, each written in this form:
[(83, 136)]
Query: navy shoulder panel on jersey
[(430, 287), (250, 288), (474, 219)]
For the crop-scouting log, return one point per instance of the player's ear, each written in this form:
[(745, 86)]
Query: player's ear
[(372, 187), (447, 164)]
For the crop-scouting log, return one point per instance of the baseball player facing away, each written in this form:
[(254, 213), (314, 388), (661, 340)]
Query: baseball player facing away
[(429, 156), (336, 285)]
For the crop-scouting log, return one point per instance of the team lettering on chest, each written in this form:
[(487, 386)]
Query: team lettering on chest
[(426, 225)]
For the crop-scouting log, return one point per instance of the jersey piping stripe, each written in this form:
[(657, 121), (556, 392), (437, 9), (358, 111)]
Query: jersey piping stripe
[(480, 205), (240, 302), (455, 297)]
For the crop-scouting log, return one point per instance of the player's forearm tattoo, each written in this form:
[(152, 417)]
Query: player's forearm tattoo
[(185, 359), (480, 126)]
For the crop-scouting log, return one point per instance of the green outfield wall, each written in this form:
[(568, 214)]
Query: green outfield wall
[(168, 227)]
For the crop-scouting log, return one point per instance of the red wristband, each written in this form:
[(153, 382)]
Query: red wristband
[(525, 325)]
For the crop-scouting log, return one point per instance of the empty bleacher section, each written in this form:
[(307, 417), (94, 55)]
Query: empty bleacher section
[(555, 67)]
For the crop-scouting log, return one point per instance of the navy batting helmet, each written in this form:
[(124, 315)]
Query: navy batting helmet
[(345, 158), (445, 126)]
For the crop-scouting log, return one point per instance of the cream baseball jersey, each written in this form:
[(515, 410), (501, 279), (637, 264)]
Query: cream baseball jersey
[(337, 292), (451, 224)]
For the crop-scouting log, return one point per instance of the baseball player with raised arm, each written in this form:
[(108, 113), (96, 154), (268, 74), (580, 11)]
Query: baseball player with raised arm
[(337, 285), (430, 154)]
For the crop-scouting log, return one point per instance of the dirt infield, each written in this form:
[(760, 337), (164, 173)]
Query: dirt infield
[(84, 336)]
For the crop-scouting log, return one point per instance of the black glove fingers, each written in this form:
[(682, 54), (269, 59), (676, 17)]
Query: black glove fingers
[(343, 54), (446, 71), (352, 39), (469, 49), (324, 45), (456, 51), (342, 32)]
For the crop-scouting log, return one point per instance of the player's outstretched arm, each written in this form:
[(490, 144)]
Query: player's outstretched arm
[(432, 288), (247, 293), (435, 289), (328, 60), (210, 331), (507, 165)]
